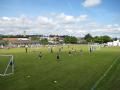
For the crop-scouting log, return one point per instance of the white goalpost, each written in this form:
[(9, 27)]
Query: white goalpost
[(9, 65), (94, 46)]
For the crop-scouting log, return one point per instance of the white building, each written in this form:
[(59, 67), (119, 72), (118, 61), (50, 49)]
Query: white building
[(114, 43), (24, 39)]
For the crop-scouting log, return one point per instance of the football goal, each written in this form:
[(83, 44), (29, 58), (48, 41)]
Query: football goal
[(6, 65), (94, 46)]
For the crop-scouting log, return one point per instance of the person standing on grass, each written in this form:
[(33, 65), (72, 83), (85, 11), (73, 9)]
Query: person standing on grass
[(40, 55), (59, 49), (81, 52), (58, 56), (73, 50), (68, 46), (90, 50), (69, 53), (51, 50), (11, 63), (62, 47), (26, 48)]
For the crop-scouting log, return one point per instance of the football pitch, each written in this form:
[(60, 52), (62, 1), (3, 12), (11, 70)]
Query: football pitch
[(99, 70)]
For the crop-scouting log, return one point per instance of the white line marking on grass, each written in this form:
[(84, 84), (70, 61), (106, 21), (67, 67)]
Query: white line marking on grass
[(106, 72)]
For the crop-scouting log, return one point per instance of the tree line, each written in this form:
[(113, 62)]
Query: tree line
[(89, 38), (97, 39), (66, 39)]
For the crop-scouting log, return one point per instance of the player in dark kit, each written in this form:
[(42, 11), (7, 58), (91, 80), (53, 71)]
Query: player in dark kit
[(11, 63), (90, 50), (59, 49), (58, 56), (69, 52), (40, 55), (51, 50), (26, 48)]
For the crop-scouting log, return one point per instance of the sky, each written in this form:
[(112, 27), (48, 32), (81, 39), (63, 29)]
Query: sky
[(60, 17)]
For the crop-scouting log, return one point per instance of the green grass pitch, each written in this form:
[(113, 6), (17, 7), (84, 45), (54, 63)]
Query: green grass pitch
[(71, 72)]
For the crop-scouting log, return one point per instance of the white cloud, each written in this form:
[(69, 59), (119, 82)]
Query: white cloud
[(83, 17), (65, 18), (6, 18), (109, 29), (61, 24), (116, 25), (13, 21), (43, 20), (109, 26), (69, 30), (91, 3)]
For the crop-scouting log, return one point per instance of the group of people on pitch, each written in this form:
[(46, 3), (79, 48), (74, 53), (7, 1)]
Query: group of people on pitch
[(40, 55)]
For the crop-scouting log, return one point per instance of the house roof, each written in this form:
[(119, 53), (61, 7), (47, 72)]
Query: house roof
[(15, 39), (9, 39)]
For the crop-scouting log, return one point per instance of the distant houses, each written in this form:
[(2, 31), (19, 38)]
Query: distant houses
[(114, 43), (18, 42), (37, 40), (54, 39), (13, 42)]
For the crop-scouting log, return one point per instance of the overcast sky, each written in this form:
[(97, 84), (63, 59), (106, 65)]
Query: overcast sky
[(62, 17)]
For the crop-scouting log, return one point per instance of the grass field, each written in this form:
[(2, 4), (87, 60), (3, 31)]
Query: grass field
[(71, 72)]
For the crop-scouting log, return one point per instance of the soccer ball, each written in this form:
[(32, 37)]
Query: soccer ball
[(28, 76), (55, 81)]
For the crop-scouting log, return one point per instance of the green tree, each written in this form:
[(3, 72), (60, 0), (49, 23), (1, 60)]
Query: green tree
[(70, 39), (35, 38), (88, 37), (73, 40), (98, 39), (44, 41), (102, 39), (106, 39), (67, 39)]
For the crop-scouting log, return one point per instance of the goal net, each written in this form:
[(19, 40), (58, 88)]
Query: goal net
[(94, 47), (6, 65)]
